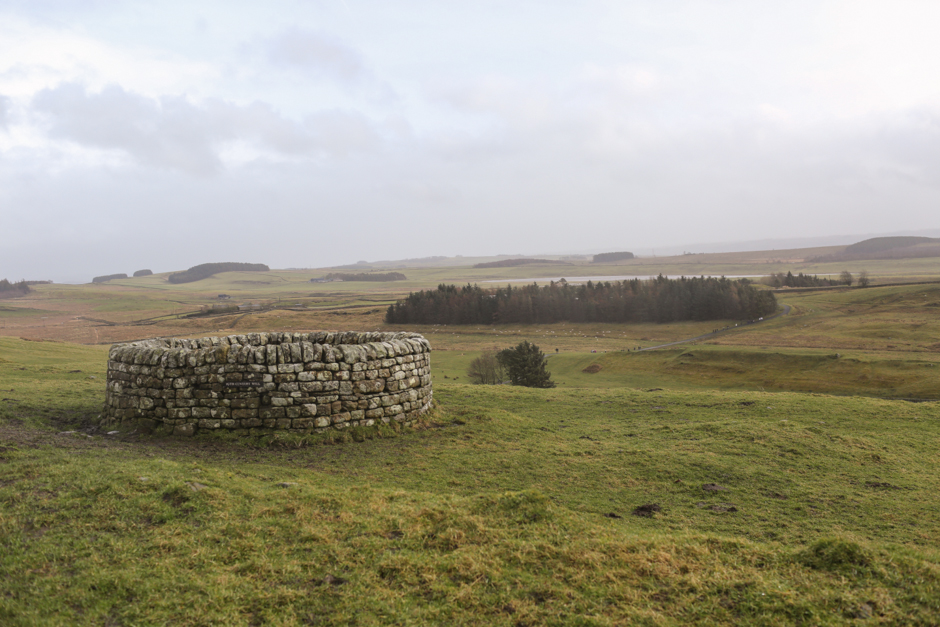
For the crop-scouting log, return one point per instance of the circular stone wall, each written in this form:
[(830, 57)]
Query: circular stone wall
[(259, 382)]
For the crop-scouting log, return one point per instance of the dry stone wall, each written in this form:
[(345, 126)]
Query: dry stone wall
[(260, 382)]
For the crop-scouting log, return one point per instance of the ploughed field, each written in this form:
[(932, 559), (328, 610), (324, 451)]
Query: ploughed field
[(766, 475)]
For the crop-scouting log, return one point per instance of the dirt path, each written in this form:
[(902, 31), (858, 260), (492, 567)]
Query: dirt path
[(785, 312)]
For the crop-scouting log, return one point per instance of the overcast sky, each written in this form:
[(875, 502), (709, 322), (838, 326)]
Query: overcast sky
[(312, 133)]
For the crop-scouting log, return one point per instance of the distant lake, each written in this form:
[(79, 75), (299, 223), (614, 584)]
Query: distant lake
[(624, 277)]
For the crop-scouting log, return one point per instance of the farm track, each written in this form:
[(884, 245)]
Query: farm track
[(785, 312)]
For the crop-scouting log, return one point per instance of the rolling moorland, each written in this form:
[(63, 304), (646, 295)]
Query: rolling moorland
[(777, 473)]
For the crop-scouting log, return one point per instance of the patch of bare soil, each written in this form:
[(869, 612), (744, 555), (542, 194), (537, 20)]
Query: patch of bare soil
[(647, 511)]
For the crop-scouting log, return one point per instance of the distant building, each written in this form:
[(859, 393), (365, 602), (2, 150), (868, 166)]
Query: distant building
[(224, 297)]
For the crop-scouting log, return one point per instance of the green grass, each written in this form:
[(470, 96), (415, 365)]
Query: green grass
[(699, 367), (900, 319), (41, 380), (511, 506)]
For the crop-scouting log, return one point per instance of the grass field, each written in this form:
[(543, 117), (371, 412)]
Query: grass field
[(511, 506), (766, 475)]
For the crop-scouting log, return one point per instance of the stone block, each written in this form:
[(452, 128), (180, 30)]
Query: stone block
[(184, 430)]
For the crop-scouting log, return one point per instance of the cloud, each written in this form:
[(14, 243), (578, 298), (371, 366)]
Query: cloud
[(318, 53), (4, 111), (341, 132), (172, 132)]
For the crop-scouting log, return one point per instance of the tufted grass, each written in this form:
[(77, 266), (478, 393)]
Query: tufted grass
[(509, 506)]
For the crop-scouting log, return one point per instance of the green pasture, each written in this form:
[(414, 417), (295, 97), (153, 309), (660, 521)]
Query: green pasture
[(730, 368), (460, 271), (43, 379), (134, 300), (898, 319), (508, 506), (21, 312), (767, 475)]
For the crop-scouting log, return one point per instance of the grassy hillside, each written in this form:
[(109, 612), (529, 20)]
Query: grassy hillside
[(729, 368), (511, 506), (880, 244), (709, 483), (715, 482)]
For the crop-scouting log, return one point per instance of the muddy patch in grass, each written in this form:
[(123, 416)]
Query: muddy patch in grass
[(647, 511)]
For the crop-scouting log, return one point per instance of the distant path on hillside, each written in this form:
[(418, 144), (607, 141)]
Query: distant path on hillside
[(785, 312)]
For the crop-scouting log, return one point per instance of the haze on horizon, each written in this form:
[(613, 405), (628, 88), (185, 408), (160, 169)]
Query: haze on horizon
[(308, 134)]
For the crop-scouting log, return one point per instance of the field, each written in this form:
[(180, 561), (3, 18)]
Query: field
[(770, 474)]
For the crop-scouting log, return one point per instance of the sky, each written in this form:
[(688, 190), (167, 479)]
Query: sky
[(315, 133)]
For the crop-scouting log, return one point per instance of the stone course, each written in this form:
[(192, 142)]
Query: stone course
[(263, 382)]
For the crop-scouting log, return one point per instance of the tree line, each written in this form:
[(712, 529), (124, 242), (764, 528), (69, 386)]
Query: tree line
[(108, 277), (789, 279), (21, 287), (205, 270), (656, 300), (612, 257)]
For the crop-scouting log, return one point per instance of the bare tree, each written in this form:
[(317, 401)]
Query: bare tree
[(486, 369), (846, 277), (863, 280)]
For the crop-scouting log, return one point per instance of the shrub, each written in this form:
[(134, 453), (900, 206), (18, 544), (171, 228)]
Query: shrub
[(486, 369)]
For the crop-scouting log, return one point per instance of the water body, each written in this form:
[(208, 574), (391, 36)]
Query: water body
[(623, 277)]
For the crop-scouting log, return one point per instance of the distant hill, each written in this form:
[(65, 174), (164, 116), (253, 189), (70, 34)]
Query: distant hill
[(887, 248), (205, 270), (881, 244), (511, 263)]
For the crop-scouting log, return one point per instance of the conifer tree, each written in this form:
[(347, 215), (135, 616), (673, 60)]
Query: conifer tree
[(525, 365)]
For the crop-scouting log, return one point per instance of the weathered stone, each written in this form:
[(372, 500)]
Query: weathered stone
[(184, 430), (270, 381)]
